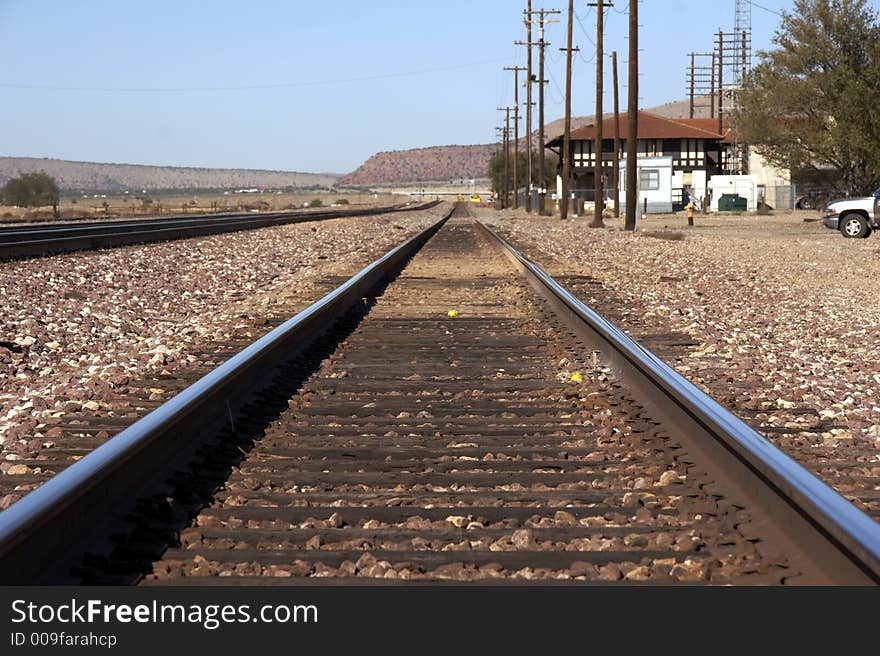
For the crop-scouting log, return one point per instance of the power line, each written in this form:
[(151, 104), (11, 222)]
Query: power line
[(255, 87), (558, 88), (767, 9), (587, 61), (589, 38), (584, 30)]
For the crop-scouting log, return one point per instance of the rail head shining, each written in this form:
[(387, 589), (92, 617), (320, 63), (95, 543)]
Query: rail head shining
[(858, 533)]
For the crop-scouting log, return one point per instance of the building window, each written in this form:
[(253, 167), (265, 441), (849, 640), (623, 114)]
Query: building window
[(649, 179)]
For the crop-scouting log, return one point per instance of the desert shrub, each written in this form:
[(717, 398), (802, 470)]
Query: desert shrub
[(31, 190)]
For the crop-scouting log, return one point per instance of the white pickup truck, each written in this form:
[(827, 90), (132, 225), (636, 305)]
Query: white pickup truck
[(854, 217)]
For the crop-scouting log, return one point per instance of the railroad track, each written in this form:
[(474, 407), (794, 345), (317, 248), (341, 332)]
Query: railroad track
[(18, 242), (439, 419)]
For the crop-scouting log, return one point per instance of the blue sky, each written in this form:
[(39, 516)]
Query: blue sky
[(281, 84)]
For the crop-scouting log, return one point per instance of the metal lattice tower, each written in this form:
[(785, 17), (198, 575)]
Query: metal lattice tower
[(734, 53), (714, 79), (741, 62)]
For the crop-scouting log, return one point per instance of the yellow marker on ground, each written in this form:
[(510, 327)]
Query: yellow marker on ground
[(452, 314), (577, 377)]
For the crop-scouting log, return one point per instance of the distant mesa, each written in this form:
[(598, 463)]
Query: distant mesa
[(94, 176), (433, 164)]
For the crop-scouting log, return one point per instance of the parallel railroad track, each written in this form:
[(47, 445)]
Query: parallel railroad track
[(18, 242), (374, 438)]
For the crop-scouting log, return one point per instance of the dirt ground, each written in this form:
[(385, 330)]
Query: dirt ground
[(92, 206), (793, 248)]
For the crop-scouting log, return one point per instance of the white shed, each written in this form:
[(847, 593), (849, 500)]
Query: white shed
[(745, 186), (655, 184)]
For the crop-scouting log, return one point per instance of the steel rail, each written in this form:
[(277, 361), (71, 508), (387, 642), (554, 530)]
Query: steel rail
[(21, 242), (49, 529), (839, 540), (14, 232)]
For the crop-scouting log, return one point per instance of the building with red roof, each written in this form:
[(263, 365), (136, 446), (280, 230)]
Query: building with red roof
[(696, 147)]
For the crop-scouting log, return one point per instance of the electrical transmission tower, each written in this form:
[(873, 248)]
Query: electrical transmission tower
[(742, 29), (734, 61), (701, 84)]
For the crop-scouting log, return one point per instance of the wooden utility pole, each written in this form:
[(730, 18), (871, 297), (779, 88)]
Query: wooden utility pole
[(720, 83), (506, 186), (566, 137), (507, 160), (528, 23), (712, 90), (693, 70), (701, 83), (499, 134), (599, 191), (632, 115), (516, 70), (615, 162), (542, 45)]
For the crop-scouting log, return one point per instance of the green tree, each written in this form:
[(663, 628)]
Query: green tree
[(496, 171), (32, 190), (814, 102)]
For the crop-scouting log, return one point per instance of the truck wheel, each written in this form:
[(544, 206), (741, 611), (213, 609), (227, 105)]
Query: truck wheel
[(854, 226)]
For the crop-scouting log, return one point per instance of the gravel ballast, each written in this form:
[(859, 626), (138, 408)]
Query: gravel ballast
[(79, 330), (781, 311)]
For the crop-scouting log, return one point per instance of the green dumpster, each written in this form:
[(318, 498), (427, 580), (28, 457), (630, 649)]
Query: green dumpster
[(732, 203)]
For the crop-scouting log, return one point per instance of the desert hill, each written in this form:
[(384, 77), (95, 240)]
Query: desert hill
[(436, 163), (93, 176)]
